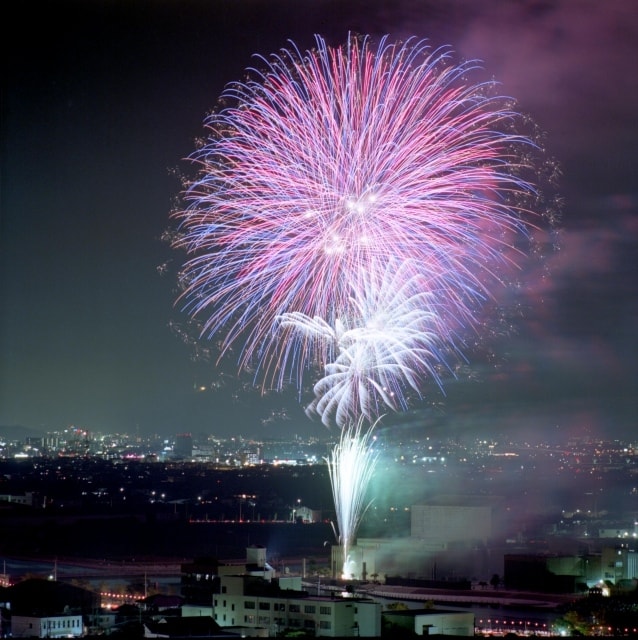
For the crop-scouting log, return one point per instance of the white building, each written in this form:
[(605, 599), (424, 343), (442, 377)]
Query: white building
[(425, 622), (252, 601), (452, 519), (28, 498), (65, 626), (619, 563), (306, 515), (449, 532), (625, 534), (252, 598)]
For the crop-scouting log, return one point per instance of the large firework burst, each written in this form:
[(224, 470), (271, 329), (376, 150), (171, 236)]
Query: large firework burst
[(353, 210), (321, 172)]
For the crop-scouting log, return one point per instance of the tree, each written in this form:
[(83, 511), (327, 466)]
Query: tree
[(397, 606), (573, 623), (495, 580)]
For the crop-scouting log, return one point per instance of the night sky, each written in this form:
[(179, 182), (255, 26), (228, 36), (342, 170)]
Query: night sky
[(101, 101)]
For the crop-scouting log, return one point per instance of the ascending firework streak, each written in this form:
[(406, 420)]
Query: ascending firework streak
[(351, 466), (353, 211)]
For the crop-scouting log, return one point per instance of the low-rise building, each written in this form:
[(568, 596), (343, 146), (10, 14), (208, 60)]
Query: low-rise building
[(438, 622), (252, 596), (49, 609), (63, 626), (253, 601), (619, 563), (567, 573)]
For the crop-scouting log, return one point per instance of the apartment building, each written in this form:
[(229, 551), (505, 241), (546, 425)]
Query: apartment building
[(254, 602)]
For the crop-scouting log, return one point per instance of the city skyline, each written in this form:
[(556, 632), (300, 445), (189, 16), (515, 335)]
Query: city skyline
[(96, 117)]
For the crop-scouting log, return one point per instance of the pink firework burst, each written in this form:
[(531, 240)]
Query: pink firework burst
[(322, 171)]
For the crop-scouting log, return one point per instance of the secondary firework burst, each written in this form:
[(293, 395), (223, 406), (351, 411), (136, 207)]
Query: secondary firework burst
[(389, 339)]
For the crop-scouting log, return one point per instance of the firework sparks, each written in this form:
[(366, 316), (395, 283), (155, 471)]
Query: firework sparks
[(351, 465), (353, 211), (337, 162), (384, 347)]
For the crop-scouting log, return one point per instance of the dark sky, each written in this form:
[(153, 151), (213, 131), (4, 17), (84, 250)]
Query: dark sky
[(102, 100)]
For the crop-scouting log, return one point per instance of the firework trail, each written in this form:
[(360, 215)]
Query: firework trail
[(351, 465), (337, 162)]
